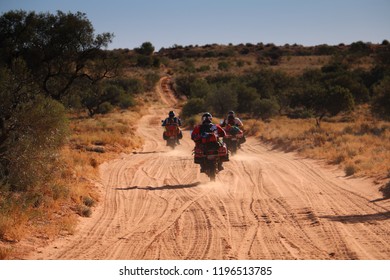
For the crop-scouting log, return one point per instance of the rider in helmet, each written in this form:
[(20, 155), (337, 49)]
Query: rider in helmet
[(173, 120), (205, 131), (232, 120)]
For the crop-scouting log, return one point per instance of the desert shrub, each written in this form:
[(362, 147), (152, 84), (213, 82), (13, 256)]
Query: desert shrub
[(350, 169), (246, 97), (200, 88), (132, 85), (360, 48), (275, 55), (240, 63), (223, 99), (151, 80), (102, 98), (125, 101), (183, 84), (385, 190), (83, 211), (188, 65), (144, 61), (265, 108), (223, 66), (193, 106), (105, 108), (146, 48), (203, 68), (381, 100), (30, 150), (88, 201)]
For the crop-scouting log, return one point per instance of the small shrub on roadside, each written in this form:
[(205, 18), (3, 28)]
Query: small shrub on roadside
[(338, 159), (385, 190), (193, 106), (83, 211), (350, 169), (88, 201), (94, 163)]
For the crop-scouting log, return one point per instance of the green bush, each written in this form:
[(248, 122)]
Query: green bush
[(32, 130), (193, 106), (223, 66), (125, 101), (199, 88), (151, 80), (223, 99), (381, 99), (265, 108), (105, 108), (183, 84), (83, 211), (88, 201), (30, 150), (350, 169), (132, 85), (203, 68)]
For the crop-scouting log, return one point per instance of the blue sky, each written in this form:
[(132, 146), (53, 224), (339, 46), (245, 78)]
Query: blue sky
[(199, 22)]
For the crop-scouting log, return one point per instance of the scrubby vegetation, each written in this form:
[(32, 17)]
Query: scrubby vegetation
[(325, 102), (68, 104), (56, 81), (344, 80)]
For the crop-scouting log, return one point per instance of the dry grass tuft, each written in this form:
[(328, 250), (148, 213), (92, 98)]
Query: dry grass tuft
[(12, 222), (5, 253)]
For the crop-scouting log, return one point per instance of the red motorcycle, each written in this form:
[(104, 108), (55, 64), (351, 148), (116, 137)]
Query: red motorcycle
[(172, 134), (233, 138), (210, 156)]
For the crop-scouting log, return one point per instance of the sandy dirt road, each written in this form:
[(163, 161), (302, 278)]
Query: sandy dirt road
[(266, 204)]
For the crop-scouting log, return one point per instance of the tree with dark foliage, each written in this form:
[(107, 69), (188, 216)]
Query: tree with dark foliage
[(58, 49)]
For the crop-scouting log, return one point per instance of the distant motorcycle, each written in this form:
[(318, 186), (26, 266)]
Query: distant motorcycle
[(210, 155), (172, 134), (233, 138)]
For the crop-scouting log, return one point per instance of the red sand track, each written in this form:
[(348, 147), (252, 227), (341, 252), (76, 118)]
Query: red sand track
[(265, 205)]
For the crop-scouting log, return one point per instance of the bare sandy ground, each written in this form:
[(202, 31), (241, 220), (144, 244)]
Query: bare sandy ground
[(266, 204)]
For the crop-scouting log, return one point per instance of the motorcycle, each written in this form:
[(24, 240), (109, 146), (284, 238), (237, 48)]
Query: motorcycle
[(172, 134), (209, 156), (233, 138)]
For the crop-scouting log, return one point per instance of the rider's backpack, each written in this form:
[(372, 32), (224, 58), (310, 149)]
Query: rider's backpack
[(234, 130)]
